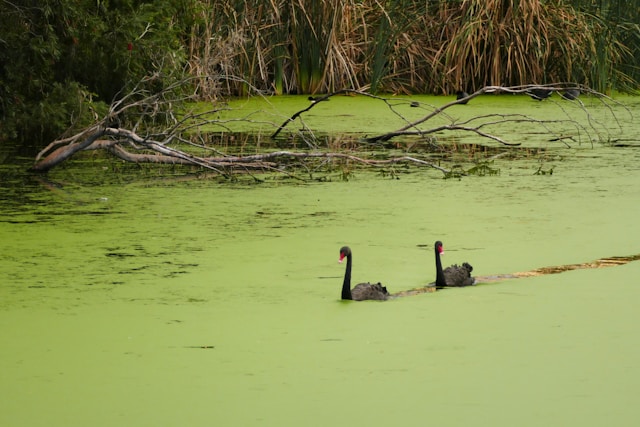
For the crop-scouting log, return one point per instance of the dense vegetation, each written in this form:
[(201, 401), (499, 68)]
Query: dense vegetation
[(64, 61)]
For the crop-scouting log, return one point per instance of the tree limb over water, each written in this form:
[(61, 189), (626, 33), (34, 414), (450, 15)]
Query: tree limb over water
[(474, 125), (155, 133)]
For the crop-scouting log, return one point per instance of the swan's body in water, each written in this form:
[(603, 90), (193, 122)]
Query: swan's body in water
[(571, 94), (461, 95), (362, 291), (539, 93), (454, 275)]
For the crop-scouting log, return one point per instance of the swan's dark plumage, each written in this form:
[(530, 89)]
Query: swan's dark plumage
[(459, 275), (461, 95), (570, 94), (374, 291), (454, 275), (539, 93), (362, 291)]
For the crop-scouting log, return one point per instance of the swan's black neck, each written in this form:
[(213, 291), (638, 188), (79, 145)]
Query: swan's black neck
[(346, 285), (440, 280)]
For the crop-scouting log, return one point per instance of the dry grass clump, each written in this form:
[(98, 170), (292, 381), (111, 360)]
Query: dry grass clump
[(405, 46)]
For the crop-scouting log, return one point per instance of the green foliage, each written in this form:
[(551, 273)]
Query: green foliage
[(481, 168), (387, 40), (60, 56), (456, 172), (616, 28), (541, 171), (67, 105)]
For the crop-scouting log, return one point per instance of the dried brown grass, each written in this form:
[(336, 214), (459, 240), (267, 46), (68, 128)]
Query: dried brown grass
[(405, 46)]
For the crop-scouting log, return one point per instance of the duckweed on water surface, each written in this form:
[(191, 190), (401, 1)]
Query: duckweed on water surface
[(165, 302)]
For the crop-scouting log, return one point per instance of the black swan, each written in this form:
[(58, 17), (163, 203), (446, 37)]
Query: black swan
[(539, 94), (362, 291), (570, 94), (454, 275), (461, 95)]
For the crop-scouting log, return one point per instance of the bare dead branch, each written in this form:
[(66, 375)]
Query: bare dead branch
[(168, 136), (66, 151)]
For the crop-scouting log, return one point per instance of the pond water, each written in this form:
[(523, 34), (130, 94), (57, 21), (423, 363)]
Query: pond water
[(158, 302)]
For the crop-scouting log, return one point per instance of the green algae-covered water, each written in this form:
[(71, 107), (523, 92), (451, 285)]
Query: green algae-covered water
[(161, 303)]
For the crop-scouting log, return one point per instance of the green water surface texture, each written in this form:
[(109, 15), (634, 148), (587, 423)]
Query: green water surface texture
[(157, 303)]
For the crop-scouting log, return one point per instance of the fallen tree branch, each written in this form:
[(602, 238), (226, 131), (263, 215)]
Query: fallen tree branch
[(255, 161), (168, 137), (65, 152), (525, 89)]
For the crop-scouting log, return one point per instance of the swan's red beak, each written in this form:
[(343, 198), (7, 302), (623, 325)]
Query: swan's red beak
[(341, 257)]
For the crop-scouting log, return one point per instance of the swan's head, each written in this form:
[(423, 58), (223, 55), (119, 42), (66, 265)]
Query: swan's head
[(439, 247), (344, 252)]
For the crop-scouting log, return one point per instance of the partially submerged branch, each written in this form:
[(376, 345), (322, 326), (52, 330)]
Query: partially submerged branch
[(224, 165), (567, 91), (157, 135)]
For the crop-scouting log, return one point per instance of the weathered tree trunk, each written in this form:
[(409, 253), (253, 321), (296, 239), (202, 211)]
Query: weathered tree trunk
[(63, 153)]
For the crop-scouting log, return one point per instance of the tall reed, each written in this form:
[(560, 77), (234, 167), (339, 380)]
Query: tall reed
[(408, 46)]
